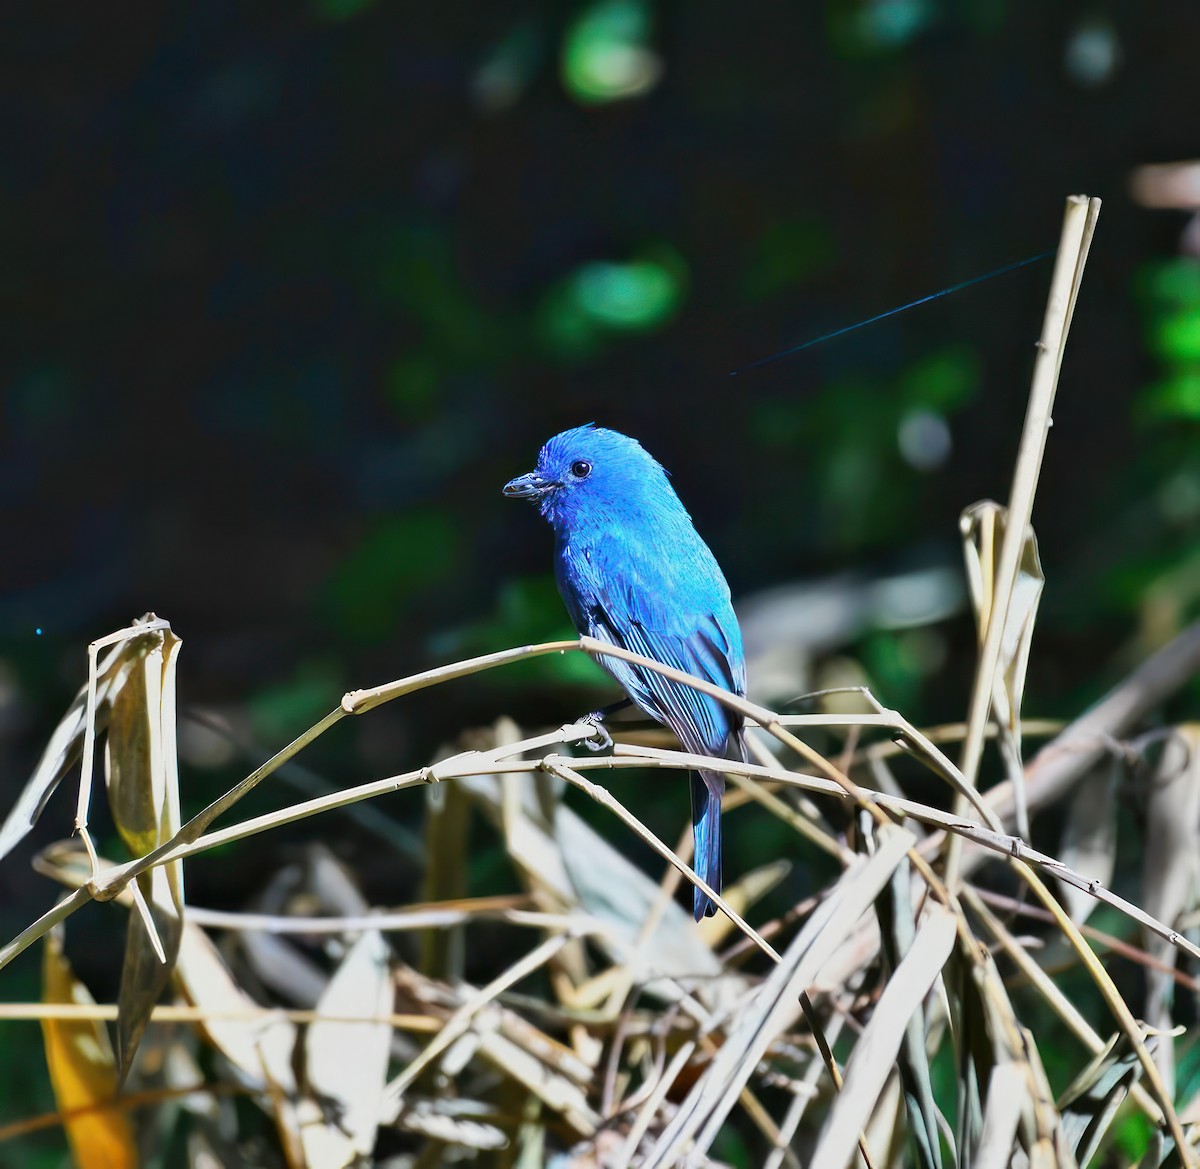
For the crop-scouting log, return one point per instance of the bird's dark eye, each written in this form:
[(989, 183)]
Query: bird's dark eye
[(581, 468)]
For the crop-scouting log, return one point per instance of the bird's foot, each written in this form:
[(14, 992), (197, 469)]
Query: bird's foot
[(600, 739)]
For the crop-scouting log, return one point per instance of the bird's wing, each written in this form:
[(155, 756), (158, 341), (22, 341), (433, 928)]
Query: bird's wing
[(703, 650)]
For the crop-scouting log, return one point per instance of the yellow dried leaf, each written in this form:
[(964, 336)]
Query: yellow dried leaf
[(83, 1072)]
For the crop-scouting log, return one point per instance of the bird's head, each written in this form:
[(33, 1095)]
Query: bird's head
[(589, 471)]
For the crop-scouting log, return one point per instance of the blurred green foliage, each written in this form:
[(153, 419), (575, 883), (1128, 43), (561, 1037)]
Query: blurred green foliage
[(785, 255), (284, 710), (859, 491), (1152, 570), (400, 558), (877, 27), (1170, 294), (529, 610)]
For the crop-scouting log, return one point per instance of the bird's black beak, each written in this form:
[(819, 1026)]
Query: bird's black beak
[(530, 486)]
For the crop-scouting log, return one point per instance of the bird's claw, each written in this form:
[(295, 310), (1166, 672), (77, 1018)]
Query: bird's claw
[(600, 739)]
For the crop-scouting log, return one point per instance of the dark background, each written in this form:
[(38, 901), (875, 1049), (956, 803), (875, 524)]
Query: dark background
[(290, 290)]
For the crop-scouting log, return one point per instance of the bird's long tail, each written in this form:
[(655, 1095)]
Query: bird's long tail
[(707, 788)]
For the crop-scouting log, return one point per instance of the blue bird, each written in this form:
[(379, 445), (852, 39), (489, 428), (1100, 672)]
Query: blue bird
[(633, 572)]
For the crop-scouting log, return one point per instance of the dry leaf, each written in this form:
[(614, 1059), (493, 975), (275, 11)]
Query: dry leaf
[(1089, 842), (558, 1093), (83, 1071), (1171, 869), (66, 743), (568, 864), (983, 529), (450, 1122), (259, 1048), (143, 791), (775, 1005), (346, 1063), (998, 1140), (134, 696), (1090, 1103), (874, 1055)]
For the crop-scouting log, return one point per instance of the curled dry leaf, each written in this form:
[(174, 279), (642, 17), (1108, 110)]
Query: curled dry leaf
[(134, 697), (66, 743), (143, 791)]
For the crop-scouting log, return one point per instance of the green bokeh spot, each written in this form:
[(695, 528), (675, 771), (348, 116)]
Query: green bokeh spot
[(892, 23), (605, 297), (866, 28), (1179, 497), (943, 381), (510, 67), (730, 1148), (42, 399), (1132, 1133), (605, 56), (894, 663), (529, 610), (1177, 336), (1175, 282), (1176, 396), (779, 423), (638, 295)]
